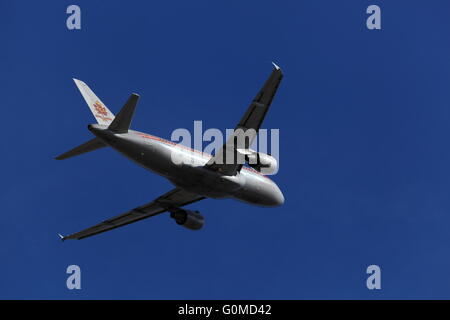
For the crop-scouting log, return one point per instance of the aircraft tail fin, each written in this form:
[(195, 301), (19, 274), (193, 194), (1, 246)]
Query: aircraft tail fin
[(122, 121), (101, 113), (91, 145)]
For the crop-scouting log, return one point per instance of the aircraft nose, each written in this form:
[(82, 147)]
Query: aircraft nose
[(275, 198), (279, 198)]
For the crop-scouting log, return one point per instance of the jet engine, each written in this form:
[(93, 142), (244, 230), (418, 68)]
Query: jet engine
[(261, 162), (192, 220)]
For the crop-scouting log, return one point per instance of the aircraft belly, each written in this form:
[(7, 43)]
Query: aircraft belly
[(189, 175), (157, 158), (206, 182)]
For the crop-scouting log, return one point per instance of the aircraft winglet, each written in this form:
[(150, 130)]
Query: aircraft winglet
[(61, 237), (275, 65)]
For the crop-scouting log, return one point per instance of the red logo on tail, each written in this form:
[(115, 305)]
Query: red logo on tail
[(100, 109)]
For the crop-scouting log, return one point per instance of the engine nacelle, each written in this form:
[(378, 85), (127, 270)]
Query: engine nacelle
[(261, 162), (192, 220)]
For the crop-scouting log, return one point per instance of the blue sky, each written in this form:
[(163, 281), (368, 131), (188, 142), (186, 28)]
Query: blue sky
[(364, 124)]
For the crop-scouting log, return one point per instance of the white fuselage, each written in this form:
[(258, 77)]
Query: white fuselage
[(184, 167)]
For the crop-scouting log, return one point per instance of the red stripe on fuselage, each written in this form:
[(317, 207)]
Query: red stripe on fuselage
[(171, 143)]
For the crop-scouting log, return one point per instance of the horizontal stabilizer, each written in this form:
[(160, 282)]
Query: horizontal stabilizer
[(91, 145), (122, 121)]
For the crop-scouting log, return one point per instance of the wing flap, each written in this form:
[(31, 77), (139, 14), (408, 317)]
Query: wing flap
[(256, 112)]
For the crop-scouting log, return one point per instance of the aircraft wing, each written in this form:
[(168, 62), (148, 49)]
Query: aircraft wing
[(172, 199), (247, 129)]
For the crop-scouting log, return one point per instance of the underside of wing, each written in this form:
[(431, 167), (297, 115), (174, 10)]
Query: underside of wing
[(173, 199), (227, 160)]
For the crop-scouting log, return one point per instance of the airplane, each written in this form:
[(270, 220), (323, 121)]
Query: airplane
[(202, 176)]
